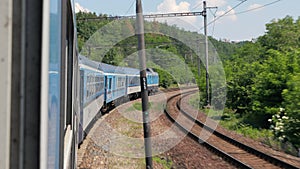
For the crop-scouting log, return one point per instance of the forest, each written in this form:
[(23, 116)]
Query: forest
[(261, 77)]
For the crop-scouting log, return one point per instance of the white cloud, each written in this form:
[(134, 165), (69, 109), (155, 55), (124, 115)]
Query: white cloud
[(255, 7), (221, 5), (218, 3), (171, 6), (231, 15), (79, 8), (210, 3)]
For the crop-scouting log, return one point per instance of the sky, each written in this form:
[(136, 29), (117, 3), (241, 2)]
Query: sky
[(235, 25)]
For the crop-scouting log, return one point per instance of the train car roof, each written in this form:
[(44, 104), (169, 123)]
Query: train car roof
[(151, 72), (107, 68), (85, 61), (117, 69)]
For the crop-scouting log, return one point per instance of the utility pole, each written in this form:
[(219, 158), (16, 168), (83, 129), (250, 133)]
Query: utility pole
[(143, 80), (199, 63), (206, 53)]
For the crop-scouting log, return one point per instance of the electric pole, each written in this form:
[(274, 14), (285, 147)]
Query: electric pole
[(199, 63), (206, 53), (143, 80)]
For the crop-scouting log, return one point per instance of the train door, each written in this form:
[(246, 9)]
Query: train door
[(126, 85), (109, 95), (113, 88)]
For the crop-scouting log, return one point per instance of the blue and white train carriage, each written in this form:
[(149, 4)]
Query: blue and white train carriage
[(103, 85), (152, 80), (92, 90)]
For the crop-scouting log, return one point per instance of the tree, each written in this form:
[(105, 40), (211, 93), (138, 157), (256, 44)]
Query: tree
[(292, 107), (292, 100), (241, 70), (282, 34), (85, 29), (269, 83)]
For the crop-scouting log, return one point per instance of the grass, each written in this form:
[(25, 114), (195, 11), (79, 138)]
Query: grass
[(235, 122), (130, 109), (266, 136), (157, 106), (133, 128), (173, 86), (167, 164), (137, 106)]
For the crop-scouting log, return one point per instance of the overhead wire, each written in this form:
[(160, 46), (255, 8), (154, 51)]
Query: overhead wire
[(199, 4), (271, 3), (214, 14), (196, 6), (237, 13), (133, 1), (217, 18)]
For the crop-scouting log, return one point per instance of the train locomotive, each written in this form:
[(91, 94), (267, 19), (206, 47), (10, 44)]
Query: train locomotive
[(49, 93)]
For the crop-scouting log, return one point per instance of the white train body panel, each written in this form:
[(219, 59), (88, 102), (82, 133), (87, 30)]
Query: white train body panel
[(133, 89), (91, 110)]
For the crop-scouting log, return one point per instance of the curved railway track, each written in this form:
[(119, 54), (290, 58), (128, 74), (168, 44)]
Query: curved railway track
[(239, 154)]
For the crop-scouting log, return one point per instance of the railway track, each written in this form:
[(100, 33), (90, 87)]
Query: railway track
[(239, 154)]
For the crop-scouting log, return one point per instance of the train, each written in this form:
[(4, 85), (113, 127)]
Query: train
[(103, 86), (50, 94)]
